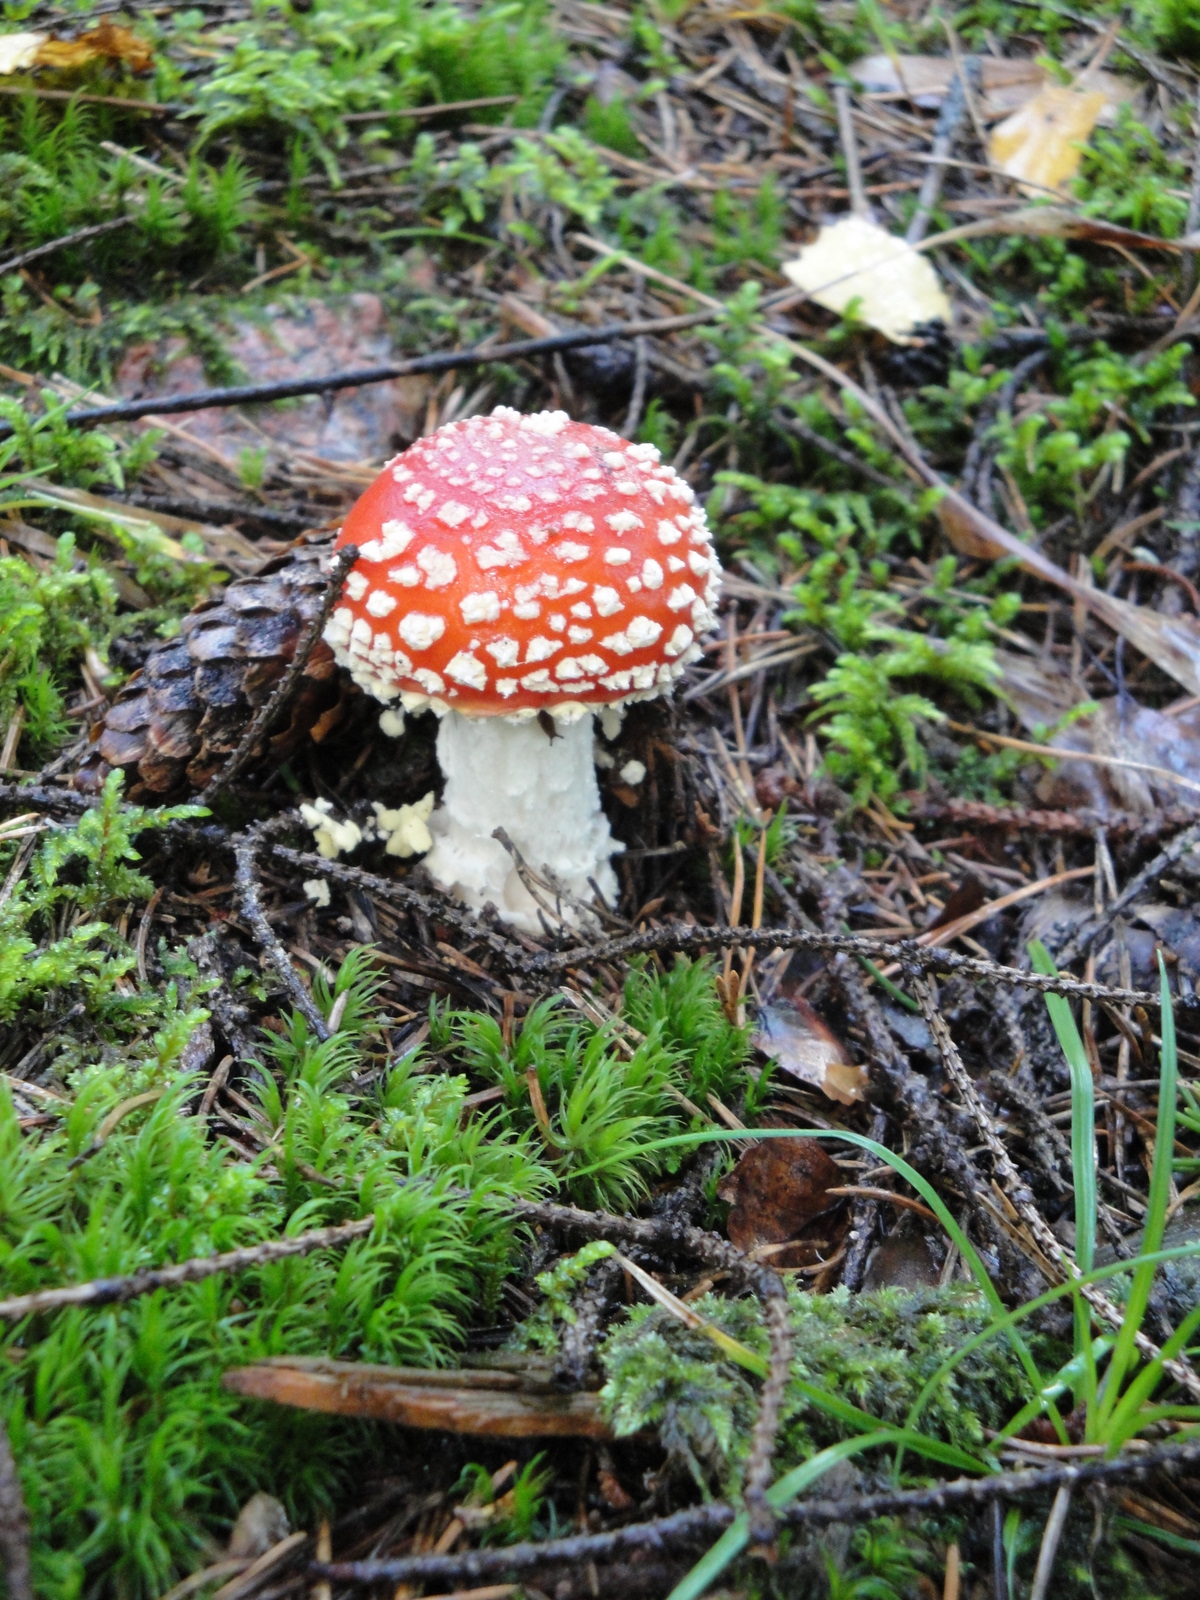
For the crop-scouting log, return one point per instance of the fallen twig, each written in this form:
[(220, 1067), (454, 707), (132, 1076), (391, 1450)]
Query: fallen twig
[(441, 361), (108, 1291), (247, 890), (81, 236), (1018, 1191), (14, 1526), (686, 938), (692, 1527)]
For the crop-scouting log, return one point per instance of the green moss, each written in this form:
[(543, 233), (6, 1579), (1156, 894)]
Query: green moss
[(132, 1456), (876, 1350)]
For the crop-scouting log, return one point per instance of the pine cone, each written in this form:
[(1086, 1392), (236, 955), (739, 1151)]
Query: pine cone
[(181, 716)]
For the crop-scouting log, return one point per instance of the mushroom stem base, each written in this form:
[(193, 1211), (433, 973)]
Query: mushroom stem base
[(504, 773)]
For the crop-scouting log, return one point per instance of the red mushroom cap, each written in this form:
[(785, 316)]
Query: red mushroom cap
[(518, 563)]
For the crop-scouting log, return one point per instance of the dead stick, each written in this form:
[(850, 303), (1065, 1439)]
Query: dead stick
[(14, 1526), (246, 887), (441, 361), (95, 231), (944, 135), (686, 938), (701, 1523), (282, 693), (108, 1291)]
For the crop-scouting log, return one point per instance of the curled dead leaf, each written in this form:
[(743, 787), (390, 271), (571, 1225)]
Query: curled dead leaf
[(777, 1187), (108, 41), (792, 1034)]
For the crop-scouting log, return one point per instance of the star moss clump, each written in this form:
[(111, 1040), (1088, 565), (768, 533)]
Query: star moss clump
[(875, 1350)]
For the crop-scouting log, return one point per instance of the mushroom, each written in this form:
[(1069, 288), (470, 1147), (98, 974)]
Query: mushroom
[(511, 566)]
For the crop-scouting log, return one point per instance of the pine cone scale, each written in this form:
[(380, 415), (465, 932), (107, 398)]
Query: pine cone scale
[(177, 720)]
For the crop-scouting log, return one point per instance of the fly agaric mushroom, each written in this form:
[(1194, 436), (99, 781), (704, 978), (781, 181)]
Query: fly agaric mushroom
[(509, 566)]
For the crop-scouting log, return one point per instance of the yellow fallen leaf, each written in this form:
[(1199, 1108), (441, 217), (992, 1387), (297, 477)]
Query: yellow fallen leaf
[(108, 41), (19, 51), (853, 259), (1041, 144)]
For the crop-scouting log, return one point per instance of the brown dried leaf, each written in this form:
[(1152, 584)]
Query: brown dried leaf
[(499, 1404), (777, 1187), (1172, 643), (1058, 222), (791, 1033), (108, 41), (1007, 85)]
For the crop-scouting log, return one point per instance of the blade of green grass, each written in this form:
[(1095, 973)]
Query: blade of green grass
[(1083, 1165), (910, 1175), (1157, 1205), (1083, 1112)]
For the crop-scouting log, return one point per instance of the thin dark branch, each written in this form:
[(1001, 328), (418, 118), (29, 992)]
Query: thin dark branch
[(247, 889), (248, 744), (153, 108), (428, 902), (443, 109), (846, 458), (662, 1235), (14, 1526), (441, 361), (704, 1522), (222, 511), (107, 1291), (95, 231), (944, 136), (906, 951)]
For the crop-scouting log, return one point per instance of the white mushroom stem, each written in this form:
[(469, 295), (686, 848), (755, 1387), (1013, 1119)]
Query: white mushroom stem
[(502, 772)]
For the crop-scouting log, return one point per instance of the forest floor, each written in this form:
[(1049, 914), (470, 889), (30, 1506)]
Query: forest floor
[(352, 1244)]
